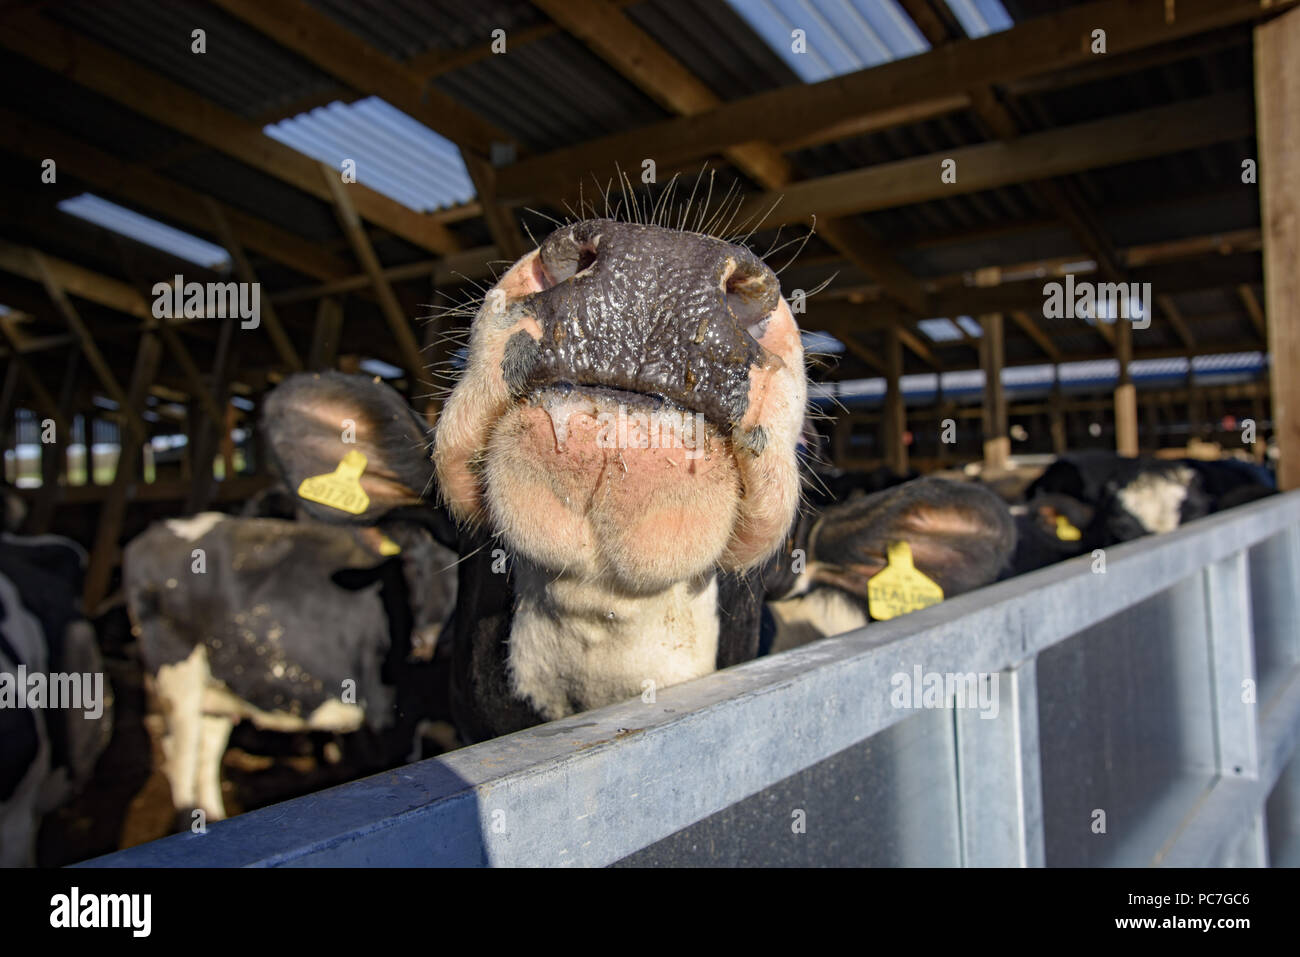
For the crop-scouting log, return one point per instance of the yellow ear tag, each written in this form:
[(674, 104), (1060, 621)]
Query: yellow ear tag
[(341, 488), (1065, 531), (387, 546), (899, 587)]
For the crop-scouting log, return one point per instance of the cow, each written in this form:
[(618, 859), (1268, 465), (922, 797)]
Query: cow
[(958, 537), (302, 624), (55, 705), (619, 455), (1089, 500)]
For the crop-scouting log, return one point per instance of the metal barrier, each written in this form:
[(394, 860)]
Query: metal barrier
[(1147, 713)]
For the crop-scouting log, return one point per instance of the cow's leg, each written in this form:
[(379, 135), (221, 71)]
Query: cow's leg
[(20, 816), (180, 694), (214, 736)]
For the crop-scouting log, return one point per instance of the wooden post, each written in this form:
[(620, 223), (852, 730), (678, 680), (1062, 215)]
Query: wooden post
[(54, 456), (1057, 413), (325, 337), (997, 444), (1277, 109), (104, 554), (895, 419), (1126, 422), (212, 422)]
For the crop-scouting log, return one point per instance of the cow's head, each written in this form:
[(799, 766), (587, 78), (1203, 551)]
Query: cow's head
[(960, 536), (630, 407)]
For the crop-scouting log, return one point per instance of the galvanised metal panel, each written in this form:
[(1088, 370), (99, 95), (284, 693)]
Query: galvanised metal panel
[(889, 801), (598, 787), (1282, 818), (1275, 608), (1124, 725)]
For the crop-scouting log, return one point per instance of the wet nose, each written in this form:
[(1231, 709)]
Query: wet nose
[(652, 310), (684, 266)]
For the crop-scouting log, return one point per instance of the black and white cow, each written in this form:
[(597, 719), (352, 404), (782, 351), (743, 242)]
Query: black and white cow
[(620, 456), (1089, 500), (959, 536), (55, 703), (296, 625)]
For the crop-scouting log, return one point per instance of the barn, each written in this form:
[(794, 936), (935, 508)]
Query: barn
[(1032, 484)]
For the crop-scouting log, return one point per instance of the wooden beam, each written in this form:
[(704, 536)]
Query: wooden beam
[(918, 348), (1247, 296), (1027, 294), (325, 337), (1175, 318), (468, 266), (393, 314), (124, 80), (895, 424), (1107, 142), (45, 403), (103, 554), (1277, 100), (87, 342), (912, 85), (997, 444), (855, 347), (1027, 325), (134, 183), (215, 428), (77, 280), (244, 270)]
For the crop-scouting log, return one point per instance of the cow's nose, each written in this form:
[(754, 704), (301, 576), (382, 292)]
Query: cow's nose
[(651, 310), (666, 264)]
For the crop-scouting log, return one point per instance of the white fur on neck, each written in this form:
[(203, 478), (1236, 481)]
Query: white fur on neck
[(1156, 499), (575, 645), (820, 613)]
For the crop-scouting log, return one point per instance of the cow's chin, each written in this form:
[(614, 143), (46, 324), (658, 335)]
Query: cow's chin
[(579, 491)]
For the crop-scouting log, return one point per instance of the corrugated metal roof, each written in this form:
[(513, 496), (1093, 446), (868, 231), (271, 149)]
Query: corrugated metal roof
[(404, 28), (550, 94), (392, 153), (242, 70), (839, 36), (142, 229), (714, 43), (980, 17)]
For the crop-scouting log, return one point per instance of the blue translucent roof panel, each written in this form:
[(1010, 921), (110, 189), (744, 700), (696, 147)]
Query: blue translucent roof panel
[(394, 154), (380, 368), (980, 17), (142, 229), (939, 330), (841, 36)]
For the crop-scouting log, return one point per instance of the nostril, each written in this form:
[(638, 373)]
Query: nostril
[(565, 255), (750, 296)]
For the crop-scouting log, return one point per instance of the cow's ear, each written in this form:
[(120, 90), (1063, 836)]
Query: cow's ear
[(348, 446), (1061, 516), (959, 535)]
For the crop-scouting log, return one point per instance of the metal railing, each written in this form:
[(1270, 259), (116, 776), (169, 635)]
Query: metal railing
[(1145, 714)]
